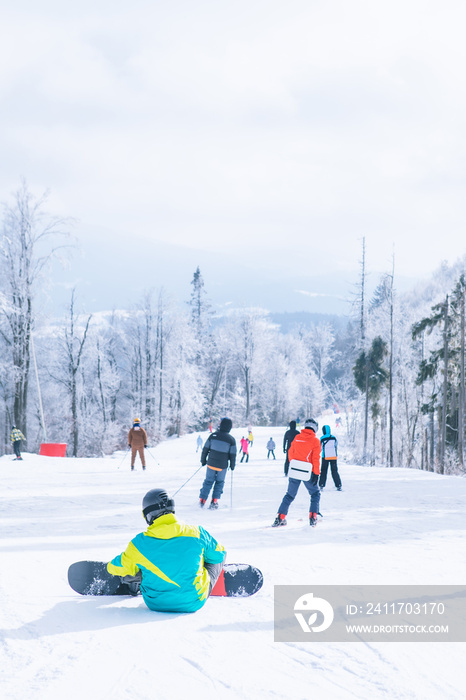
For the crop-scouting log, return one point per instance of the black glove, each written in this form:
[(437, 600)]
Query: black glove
[(232, 468), (314, 479), (133, 582), (145, 446), (130, 578)]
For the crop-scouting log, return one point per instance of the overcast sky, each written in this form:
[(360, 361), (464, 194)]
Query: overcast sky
[(280, 130)]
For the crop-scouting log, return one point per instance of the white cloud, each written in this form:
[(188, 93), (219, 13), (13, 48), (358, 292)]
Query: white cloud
[(307, 124)]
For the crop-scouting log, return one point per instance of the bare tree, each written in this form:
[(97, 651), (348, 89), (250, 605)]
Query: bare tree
[(362, 297), (74, 346), (24, 253), (390, 368)]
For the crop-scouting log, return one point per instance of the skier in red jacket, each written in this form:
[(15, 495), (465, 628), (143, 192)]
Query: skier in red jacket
[(305, 447)]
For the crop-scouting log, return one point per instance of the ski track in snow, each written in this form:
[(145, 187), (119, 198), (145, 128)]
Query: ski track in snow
[(386, 526)]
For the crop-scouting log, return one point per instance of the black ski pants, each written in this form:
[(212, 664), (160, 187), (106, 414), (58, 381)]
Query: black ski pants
[(286, 466), (324, 469)]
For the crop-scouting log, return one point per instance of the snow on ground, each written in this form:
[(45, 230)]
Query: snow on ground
[(387, 526)]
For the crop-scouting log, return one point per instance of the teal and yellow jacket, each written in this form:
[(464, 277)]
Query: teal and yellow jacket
[(170, 556)]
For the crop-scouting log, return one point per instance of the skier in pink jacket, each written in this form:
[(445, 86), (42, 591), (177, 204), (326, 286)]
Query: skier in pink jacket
[(244, 448)]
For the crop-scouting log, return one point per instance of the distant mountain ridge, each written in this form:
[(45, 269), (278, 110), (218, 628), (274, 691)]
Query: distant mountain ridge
[(289, 320), (117, 275)]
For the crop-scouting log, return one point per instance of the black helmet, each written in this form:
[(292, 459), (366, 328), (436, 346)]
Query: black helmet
[(155, 503)]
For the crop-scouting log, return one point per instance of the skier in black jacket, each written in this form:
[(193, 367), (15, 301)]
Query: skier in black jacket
[(218, 453), (287, 440)]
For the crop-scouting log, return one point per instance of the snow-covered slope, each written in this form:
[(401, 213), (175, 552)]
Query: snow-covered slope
[(386, 526)]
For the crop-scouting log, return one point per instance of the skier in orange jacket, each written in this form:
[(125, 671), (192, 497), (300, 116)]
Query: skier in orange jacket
[(305, 447)]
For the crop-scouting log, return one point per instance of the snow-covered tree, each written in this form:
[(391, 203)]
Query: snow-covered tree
[(251, 341), (73, 340), (27, 244)]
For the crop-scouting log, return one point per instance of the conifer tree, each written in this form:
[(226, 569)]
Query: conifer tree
[(370, 376)]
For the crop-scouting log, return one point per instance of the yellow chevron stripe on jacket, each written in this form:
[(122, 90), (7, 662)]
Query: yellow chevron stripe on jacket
[(132, 560), (171, 556)]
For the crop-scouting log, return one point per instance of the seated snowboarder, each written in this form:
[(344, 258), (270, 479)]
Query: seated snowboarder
[(174, 565)]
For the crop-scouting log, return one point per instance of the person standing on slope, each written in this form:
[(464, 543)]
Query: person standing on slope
[(244, 442), (137, 440), (174, 565), (288, 438), (304, 448), (16, 436), (270, 447), (329, 457), (218, 453)]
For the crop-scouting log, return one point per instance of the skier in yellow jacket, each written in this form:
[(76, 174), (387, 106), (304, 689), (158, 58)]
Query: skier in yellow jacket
[(16, 436)]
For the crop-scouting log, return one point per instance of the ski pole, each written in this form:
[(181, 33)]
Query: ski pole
[(231, 490), (124, 457), (174, 494), (147, 449)]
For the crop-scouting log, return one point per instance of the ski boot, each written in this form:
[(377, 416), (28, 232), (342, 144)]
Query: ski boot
[(213, 504), (202, 502), (312, 519), (279, 521)]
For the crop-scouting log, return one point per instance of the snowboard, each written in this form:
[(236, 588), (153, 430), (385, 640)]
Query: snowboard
[(92, 578)]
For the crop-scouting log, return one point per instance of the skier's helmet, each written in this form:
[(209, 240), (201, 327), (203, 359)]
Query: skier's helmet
[(312, 424), (137, 420), (155, 503)]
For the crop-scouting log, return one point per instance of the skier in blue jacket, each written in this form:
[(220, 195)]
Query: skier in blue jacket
[(329, 457), (174, 565)]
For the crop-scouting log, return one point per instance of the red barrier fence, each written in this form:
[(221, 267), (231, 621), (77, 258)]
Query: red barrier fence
[(53, 449)]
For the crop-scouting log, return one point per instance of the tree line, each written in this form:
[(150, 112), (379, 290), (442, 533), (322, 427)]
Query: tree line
[(395, 373)]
